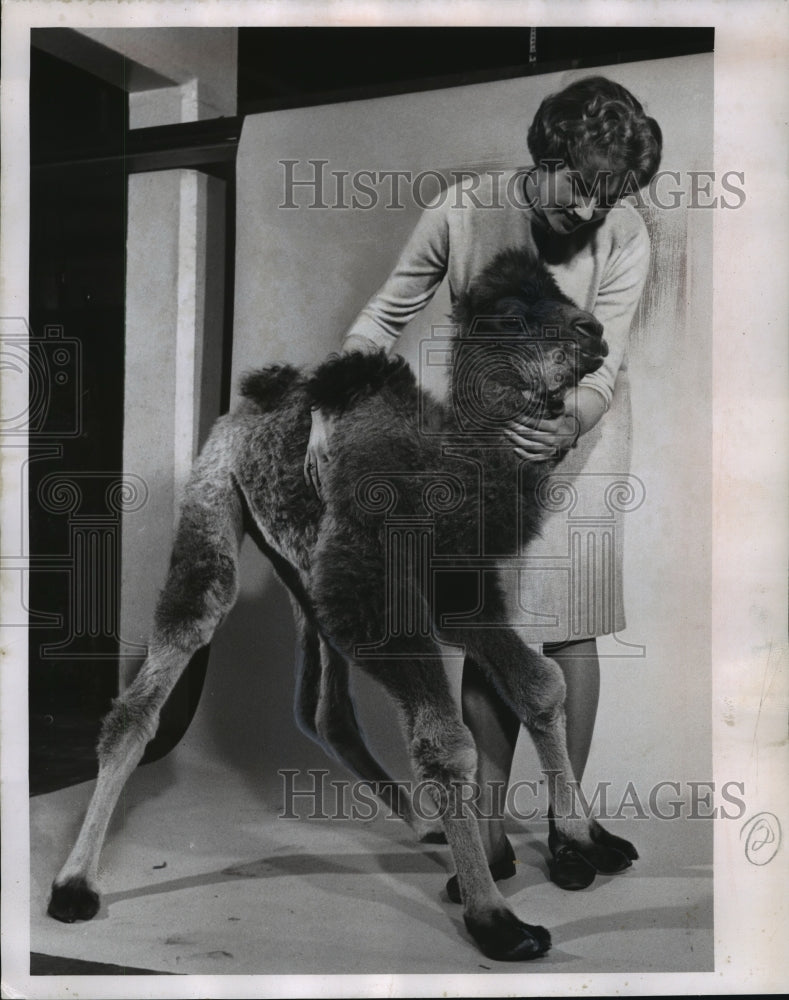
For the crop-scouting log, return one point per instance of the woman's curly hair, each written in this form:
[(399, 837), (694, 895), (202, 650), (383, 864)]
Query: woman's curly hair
[(596, 125)]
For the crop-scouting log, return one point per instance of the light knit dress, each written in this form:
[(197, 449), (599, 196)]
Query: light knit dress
[(568, 583)]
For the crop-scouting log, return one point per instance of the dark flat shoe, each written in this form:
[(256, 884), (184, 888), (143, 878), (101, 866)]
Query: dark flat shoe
[(569, 870), (500, 870)]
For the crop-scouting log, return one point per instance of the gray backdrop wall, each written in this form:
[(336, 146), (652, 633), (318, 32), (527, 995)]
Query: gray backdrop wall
[(302, 276)]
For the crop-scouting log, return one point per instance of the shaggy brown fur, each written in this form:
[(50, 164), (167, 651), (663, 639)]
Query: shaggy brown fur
[(397, 453)]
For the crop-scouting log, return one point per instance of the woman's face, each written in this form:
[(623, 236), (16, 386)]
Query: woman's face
[(561, 200)]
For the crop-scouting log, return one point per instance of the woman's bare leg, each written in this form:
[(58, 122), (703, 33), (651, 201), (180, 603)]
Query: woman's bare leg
[(580, 665)]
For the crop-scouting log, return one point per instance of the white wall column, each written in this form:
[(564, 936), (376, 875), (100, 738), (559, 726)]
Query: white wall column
[(173, 342)]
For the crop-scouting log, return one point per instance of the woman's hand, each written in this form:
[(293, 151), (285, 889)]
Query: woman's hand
[(542, 440), (318, 455)]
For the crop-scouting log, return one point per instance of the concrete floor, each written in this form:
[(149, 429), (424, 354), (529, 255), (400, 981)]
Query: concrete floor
[(200, 876)]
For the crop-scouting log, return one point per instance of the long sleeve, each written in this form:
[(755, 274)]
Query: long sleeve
[(411, 285), (617, 300)]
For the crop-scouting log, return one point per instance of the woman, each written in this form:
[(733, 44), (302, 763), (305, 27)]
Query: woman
[(590, 144)]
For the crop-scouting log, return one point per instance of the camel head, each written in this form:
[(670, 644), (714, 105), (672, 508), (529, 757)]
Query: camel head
[(521, 344)]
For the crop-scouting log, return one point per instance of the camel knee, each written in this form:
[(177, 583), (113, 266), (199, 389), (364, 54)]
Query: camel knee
[(547, 690), (198, 594), (551, 688), (445, 755), (132, 721)]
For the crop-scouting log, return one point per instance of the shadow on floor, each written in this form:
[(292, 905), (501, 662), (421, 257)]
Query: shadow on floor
[(52, 965)]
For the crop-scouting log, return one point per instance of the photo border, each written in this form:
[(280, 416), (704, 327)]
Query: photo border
[(749, 558)]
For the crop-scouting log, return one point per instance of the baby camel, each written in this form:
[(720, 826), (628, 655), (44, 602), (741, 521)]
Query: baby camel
[(420, 500)]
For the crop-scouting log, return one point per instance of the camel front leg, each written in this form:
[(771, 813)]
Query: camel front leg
[(443, 756), (350, 599), (533, 686)]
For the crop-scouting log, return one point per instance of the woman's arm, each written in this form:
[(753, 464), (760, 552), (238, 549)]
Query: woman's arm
[(619, 294), (419, 271), (413, 282), (615, 307)]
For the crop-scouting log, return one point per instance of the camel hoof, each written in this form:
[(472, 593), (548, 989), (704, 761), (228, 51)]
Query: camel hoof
[(570, 870), (504, 938), (73, 900)]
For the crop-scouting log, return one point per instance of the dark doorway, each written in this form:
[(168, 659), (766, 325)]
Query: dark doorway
[(77, 278)]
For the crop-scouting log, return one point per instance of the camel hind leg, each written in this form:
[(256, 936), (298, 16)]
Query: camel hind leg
[(326, 713), (201, 588)]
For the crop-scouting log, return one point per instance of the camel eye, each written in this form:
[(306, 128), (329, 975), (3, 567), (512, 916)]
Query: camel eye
[(559, 357)]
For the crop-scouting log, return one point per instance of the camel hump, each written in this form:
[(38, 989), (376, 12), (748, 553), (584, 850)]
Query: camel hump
[(345, 379), (268, 386)]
